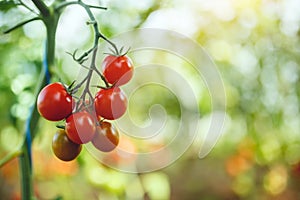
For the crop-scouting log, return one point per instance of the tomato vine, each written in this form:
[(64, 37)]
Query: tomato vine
[(49, 15)]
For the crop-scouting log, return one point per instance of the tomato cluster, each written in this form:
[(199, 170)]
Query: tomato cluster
[(86, 120)]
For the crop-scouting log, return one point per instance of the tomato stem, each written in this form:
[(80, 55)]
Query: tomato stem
[(81, 59), (26, 173), (50, 20), (42, 7)]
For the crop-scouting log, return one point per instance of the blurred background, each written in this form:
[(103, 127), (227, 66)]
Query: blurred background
[(255, 46)]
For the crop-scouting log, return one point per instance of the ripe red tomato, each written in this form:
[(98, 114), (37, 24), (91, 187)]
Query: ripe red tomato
[(63, 147), (106, 138), (80, 127), (117, 70), (110, 103), (54, 103)]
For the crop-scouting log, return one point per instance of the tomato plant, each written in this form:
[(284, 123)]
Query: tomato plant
[(117, 70), (54, 103), (106, 138), (110, 103), (63, 147), (80, 127)]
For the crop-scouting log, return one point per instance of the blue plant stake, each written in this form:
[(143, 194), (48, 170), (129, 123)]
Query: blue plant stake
[(28, 138)]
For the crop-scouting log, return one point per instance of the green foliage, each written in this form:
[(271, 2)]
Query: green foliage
[(6, 5)]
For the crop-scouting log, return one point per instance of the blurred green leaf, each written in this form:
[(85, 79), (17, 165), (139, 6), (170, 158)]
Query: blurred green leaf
[(6, 5)]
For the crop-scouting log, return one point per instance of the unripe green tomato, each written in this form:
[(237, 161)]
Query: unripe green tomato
[(63, 147)]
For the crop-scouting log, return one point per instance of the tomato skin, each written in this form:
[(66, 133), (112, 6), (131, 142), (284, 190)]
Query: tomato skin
[(117, 70), (110, 103), (106, 138), (54, 103), (80, 127), (63, 148)]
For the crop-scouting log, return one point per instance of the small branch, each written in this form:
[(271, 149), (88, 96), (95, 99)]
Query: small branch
[(65, 4), (9, 157), (61, 6), (102, 77), (110, 42), (21, 24), (92, 18), (85, 67), (97, 7), (85, 54), (27, 7), (80, 84), (90, 94)]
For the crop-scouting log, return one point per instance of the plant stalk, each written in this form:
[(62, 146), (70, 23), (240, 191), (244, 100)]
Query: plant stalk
[(51, 21)]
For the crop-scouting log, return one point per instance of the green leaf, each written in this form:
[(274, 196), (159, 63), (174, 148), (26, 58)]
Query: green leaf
[(6, 5)]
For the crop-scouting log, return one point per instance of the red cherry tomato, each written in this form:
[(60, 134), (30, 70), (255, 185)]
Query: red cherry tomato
[(64, 148), (110, 103), (80, 127), (54, 103), (117, 70), (106, 138)]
